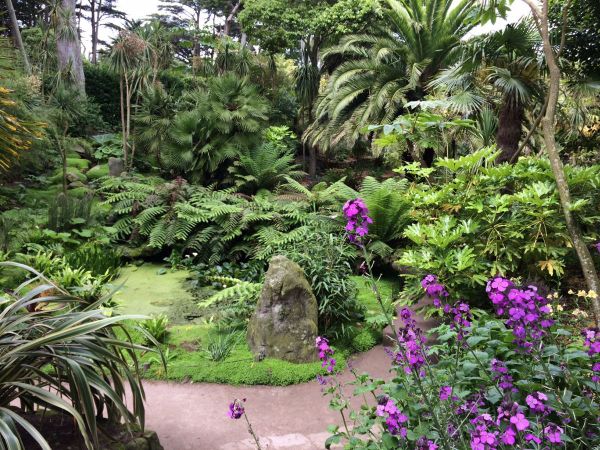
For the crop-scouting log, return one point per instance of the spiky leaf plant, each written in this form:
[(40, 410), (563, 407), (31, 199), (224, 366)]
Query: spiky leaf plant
[(62, 355)]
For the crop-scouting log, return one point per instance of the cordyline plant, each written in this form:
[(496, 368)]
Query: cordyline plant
[(60, 354), (517, 380)]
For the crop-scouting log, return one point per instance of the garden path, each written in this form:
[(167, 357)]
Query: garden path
[(194, 416)]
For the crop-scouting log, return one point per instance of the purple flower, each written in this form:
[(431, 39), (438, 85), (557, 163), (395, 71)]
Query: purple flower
[(597, 246), (325, 354), (394, 417), (501, 375), (483, 436), (445, 392), (520, 421), (236, 409), (411, 353), (591, 337), (536, 403), (357, 214), (434, 289), (596, 370), (424, 444), (532, 438), (525, 310), (553, 433)]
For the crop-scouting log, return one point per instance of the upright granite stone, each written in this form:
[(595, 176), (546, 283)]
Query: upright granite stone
[(284, 325), (115, 167)]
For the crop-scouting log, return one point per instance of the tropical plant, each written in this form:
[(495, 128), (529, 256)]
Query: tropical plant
[(98, 259), (327, 262), (264, 167), (223, 120), (154, 120), (508, 64), (63, 357), (392, 64), (156, 328), (108, 145), (489, 219), (220, 345)]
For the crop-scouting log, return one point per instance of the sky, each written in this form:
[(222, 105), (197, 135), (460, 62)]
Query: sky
[(140, 9)]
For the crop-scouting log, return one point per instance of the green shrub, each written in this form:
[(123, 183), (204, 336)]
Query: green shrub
[(157, 328), (66, 212), (79, 344), (100, 260), (220, 345), (484, 219), (326, 260), (365, 339)]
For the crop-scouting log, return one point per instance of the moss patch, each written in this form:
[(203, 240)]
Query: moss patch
[(387, 288), (97, 172), (78, 163), (187, 362)]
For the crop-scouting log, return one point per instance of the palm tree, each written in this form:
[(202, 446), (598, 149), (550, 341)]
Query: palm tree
[(128, 59), (225, 118), (154, 120), (380, 71), (504, 64)]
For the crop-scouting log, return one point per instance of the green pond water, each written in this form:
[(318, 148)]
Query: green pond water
[(150, 289)]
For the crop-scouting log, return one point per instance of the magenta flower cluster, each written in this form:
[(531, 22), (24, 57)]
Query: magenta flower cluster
[(460, 312), (411, 353), (236, 409), (325, 353), (394, 418), (526, 311), (591, 338), (501, 376), (591, 341), (357, 214), (425, 444)]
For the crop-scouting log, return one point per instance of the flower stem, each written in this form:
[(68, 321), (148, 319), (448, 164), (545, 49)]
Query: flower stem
[(251, 431)]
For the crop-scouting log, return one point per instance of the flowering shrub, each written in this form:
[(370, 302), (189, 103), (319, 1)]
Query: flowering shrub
[(516, 380)]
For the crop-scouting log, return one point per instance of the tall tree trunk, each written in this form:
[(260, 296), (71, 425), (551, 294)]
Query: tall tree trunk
[(230, 18), (509, 130), (94, 24), (549, 129), (67, 45), (16, 32), (123, 121)]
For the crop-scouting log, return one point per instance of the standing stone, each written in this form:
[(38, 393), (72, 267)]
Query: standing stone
[(284, 325), (115, 167)]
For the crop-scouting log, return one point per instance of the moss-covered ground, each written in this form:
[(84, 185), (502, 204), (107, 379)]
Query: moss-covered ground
[(152, 290)]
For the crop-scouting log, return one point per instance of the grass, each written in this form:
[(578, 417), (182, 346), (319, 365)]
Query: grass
[(387, 288), (147, 291)]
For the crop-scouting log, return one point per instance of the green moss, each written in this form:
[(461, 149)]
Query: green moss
[(97, 172), (79, 192), (188, 362), (78, 163), (57, 176)]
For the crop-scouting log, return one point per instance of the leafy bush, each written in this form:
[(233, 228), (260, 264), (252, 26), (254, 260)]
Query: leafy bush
[(65, 213), (486, 219), (61, 351), (107, 146), (157, 328), (326, 260), (222, 120), (98, 259), (220, 345), (217, 224), (264, 167)]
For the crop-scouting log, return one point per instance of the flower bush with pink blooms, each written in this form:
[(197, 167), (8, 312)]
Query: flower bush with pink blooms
[(516, 378)]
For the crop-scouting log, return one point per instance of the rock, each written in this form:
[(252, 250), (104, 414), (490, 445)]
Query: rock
[(284, 324), (98, 171), (76, 184), (115, 167)]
